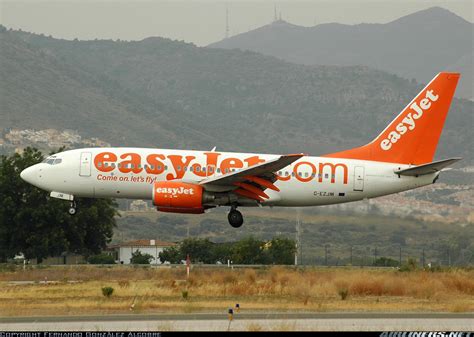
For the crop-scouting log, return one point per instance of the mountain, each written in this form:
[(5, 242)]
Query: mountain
[(417, 46), (162, 93)]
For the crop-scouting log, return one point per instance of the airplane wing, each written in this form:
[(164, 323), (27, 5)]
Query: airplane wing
[(429, 168), (250, 182)]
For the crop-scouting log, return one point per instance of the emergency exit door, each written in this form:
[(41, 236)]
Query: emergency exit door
[(359, 178), (85, 168)]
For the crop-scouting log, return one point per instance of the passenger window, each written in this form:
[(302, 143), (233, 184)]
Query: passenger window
[(300, 174), (57, 161), (191, 169), (218, 170), (179, 168), (198, 169), (99, 164), (185, 169), (286, 173), (306, 174), (166, 167), (326, 175)]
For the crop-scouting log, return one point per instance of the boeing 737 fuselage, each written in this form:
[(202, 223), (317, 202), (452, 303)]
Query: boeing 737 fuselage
[(180, 181)]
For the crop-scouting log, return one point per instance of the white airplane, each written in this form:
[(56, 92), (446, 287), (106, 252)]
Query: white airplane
[(179, 181)]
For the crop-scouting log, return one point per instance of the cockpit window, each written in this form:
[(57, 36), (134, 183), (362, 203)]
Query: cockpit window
[(52, 160)]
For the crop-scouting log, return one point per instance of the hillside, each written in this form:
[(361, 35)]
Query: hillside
[(417, 46), (163, 93)]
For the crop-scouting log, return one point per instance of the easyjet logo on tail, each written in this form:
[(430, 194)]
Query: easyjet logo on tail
[(409, 122), (175, 190)]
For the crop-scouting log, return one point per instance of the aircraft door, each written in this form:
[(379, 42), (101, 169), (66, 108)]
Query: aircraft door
[(85, 168), (359, 178)]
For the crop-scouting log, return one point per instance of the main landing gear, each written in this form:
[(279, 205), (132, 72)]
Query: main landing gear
[(73, 209), (235, 217)]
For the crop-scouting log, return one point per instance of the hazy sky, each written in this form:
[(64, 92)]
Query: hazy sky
[(198, 21)]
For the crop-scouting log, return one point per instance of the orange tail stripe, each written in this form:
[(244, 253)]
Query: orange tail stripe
[(247, 194), (253, 189), (263, 182)]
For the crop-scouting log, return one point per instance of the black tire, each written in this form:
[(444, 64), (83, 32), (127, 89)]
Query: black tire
[(235, 218)]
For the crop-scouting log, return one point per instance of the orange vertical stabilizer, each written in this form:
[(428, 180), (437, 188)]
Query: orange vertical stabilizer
[(412, 137)]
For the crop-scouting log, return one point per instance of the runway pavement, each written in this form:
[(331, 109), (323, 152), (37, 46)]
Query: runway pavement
[(249, 321)]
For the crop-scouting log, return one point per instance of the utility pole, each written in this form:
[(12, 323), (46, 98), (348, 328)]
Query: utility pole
[(423, 258), (351, 255), (299, 246), (226, 21), (400, 256), (375, 256), (326, 254)]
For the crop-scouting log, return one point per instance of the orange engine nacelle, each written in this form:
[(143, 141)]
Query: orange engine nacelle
[(178, 197)]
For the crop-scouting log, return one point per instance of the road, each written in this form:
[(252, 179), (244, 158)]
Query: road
[(249, 321)]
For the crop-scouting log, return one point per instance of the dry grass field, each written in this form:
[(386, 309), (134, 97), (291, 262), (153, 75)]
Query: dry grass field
[(77, 290)]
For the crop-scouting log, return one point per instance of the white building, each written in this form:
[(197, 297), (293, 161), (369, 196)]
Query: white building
[(138, 206), (123, 252)]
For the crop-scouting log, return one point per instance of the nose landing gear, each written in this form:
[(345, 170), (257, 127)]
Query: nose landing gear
[(235, 217), (73, 209)]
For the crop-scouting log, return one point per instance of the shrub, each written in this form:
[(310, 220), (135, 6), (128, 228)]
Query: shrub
[(229, 278), (107, 291), (385, 262), (343, 293), (184, 294), (410, 265), (124, 283), (139, 258), (250, 276), (101, 259)]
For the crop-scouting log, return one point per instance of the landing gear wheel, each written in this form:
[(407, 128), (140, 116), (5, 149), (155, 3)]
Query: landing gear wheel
[(73, 209), (235, 218)]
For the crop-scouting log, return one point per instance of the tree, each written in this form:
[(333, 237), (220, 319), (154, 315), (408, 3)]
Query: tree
[(385, 262), (139, 258), (248, 251), (222, 252), (172, 255), (101, 258), (38, 226), (282, 251), (199, 250)]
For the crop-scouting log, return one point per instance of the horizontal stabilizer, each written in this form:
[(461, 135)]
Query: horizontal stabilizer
[(429, 168)]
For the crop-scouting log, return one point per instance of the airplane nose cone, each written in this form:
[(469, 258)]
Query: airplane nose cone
[(29, 175)]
